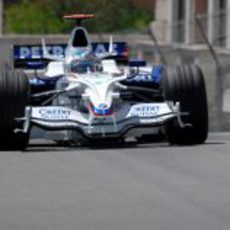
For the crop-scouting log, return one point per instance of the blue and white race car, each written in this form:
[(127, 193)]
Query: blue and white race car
[(85, 95)]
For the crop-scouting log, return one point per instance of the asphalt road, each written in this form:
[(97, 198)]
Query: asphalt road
[(145, 187)]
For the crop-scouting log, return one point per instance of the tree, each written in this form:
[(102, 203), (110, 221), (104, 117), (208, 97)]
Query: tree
[(27, 17), (45, 16)]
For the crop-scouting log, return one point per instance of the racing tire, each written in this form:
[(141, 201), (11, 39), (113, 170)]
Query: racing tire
[(14, 97), (185, 84)]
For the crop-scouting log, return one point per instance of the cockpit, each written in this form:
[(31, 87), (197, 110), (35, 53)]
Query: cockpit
[(80, 57), (83, 66)]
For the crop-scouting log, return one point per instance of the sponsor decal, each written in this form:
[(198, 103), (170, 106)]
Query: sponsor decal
[(154, 120), (144, 110), (102, 48), (54, 113), (100, 120), (102, 106), (102, 110), (154, 76), (140, 78), (35, 52)]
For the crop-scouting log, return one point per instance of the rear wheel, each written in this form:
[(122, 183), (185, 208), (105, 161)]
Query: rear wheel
[(14, 95), (185, 84)]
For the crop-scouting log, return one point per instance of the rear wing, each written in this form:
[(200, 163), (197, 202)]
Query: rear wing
[(31, 56)]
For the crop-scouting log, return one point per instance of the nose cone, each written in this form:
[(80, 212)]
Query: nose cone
[(102, 110)]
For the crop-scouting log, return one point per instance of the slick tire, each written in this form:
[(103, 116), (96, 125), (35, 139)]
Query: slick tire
[(185, 84), (14, 96)]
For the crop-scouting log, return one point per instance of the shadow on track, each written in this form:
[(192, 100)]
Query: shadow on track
[(45, 146)]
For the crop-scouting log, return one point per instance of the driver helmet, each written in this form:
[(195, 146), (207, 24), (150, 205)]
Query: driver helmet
[(82, 66)]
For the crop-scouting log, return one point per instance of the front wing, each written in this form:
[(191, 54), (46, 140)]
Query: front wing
[(141, 115)]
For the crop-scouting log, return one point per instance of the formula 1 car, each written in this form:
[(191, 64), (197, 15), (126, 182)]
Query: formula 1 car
[(85, 95)]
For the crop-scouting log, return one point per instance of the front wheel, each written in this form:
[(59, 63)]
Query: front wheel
[(14, 96), (185, 84)]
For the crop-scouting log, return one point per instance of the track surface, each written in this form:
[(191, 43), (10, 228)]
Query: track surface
[(152, 186)]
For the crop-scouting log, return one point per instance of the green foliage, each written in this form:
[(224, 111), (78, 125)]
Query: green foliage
[(27, 17), (45, 16)]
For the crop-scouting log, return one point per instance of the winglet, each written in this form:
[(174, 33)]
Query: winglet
[(48, 56), (44, 50), (111, 45)]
